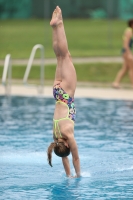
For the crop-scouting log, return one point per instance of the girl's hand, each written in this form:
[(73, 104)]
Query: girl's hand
[(70, 176)]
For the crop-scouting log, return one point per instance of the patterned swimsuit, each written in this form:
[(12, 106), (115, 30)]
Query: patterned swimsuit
[(61, 96)]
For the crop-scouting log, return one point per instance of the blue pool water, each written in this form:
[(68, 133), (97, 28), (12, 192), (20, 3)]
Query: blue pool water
[(104, 133)]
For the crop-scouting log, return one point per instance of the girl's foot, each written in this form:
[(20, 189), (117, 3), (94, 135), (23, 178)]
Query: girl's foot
[(56, 17), (115, 85)]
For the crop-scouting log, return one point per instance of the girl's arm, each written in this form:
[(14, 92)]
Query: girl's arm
[(75, 155), (66, 165)]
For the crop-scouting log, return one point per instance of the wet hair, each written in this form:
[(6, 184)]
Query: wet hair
[(130, 22), (59, 149)]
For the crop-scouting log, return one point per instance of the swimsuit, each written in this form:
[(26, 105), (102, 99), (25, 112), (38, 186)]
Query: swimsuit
[(130, 42), (62, 97)]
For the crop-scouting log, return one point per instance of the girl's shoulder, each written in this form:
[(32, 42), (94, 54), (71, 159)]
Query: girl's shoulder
[(128, 30), (128, 33)]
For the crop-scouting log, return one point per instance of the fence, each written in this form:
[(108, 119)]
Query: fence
[(71, 8)]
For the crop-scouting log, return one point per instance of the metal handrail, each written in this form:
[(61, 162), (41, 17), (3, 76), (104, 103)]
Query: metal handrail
[(29, 65), (7, 71)]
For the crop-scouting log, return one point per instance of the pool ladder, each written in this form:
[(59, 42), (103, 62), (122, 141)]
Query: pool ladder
[(29, 65), (8, 70), (7, 74)]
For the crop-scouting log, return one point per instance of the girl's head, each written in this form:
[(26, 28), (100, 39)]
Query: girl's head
[(130, 23), (60, 148)]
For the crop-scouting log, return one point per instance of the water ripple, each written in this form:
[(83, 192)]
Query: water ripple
[(104, 134)]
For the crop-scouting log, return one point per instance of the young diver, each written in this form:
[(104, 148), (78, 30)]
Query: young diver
[(63, 92)]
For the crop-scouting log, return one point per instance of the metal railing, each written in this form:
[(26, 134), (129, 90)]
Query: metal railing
[(29, 65), (7, 71)]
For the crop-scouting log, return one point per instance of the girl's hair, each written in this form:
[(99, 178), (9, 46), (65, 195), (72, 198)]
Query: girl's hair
[(59, 149), (130, 22)]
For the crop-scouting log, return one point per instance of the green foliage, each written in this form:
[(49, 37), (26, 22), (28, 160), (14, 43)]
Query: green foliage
[(92, 72), (85, 37)]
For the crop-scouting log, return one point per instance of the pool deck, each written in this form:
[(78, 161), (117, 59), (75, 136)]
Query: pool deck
[(49, 61), (86, 92)]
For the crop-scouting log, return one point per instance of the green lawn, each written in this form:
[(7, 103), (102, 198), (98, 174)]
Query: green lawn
[(85, 37), (95, 72)]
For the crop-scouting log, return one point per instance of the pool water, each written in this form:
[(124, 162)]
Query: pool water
[(104, 134)]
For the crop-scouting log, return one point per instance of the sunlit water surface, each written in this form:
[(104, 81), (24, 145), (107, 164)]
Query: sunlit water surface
[(104, 134)]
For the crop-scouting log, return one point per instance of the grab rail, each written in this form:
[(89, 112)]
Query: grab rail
[(29, 65), (7, 71)]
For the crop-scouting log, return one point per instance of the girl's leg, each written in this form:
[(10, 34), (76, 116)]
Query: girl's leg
[(120, 75), (58, 77), (65, 71), (130, 69)]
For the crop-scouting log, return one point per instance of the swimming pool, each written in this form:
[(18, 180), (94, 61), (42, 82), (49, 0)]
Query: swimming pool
[(104, 133)]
